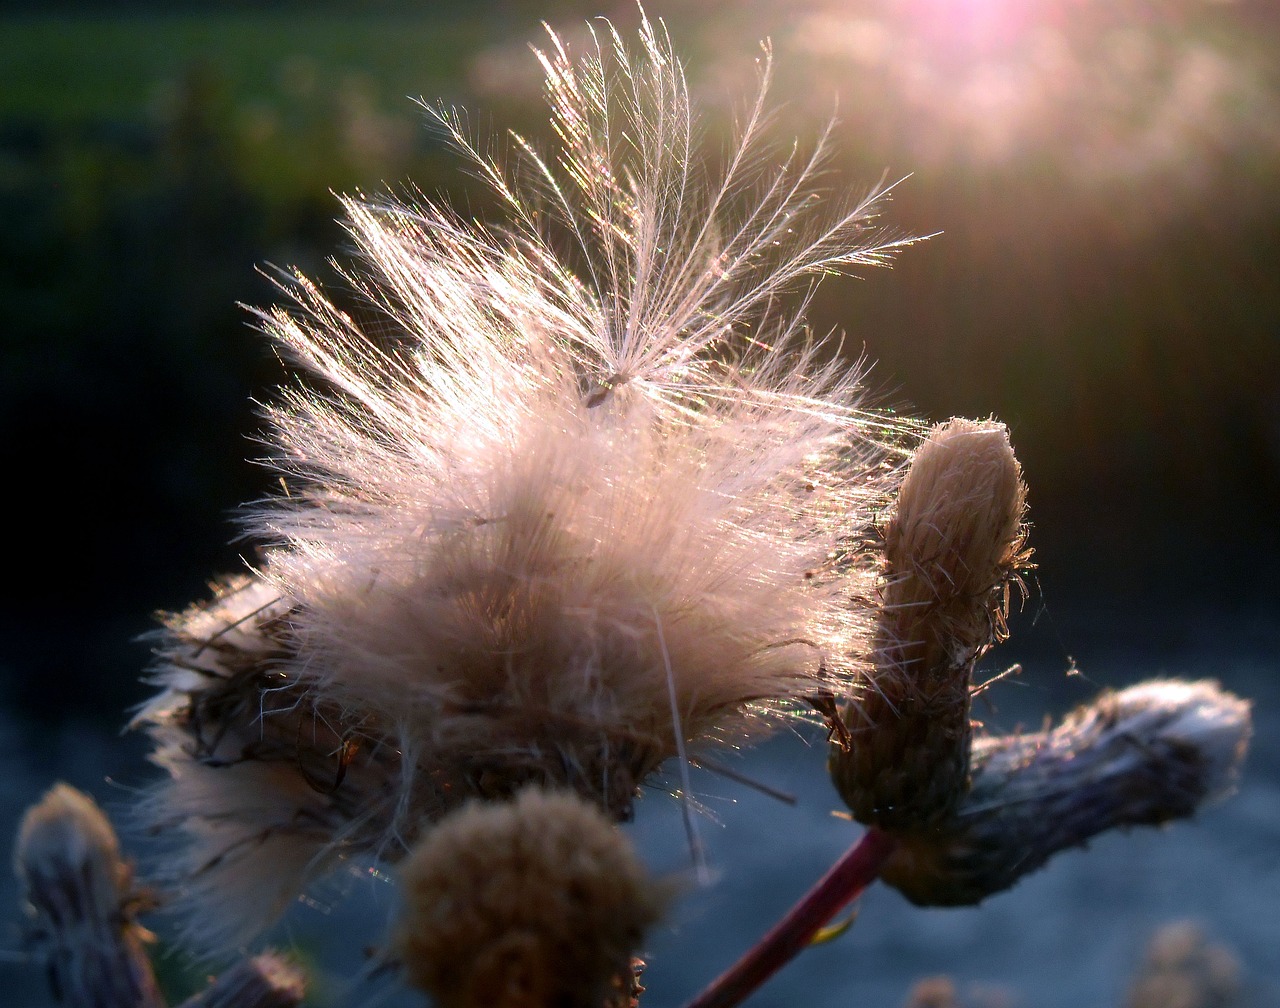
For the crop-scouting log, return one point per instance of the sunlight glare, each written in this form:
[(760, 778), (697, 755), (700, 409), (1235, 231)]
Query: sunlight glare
[(1097, 91)]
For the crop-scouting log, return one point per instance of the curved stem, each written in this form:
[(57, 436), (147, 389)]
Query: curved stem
[(856, 869)]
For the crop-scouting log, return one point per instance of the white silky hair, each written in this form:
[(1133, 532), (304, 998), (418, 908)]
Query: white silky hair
[(596, 499)]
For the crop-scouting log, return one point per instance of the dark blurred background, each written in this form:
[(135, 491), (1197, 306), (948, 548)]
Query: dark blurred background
[(1104, 174)]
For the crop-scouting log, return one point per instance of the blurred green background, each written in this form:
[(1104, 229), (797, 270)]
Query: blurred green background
[(1103, 172)]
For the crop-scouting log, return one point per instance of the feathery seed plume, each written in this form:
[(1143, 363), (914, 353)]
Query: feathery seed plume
[(582, 510)]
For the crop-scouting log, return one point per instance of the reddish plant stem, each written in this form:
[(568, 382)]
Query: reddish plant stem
[(856, 869)]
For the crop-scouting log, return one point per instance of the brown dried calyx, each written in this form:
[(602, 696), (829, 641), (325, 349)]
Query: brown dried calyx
[(953, 545)]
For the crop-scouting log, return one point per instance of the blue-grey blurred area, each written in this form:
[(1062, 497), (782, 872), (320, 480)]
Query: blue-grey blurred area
[(1104, 175)]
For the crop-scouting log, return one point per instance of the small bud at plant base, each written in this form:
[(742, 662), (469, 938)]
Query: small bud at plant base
[(534, 903), (81, 904), (1141, 757), (953, 543)]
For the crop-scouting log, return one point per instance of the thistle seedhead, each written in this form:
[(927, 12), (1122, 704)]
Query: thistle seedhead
[(572, 512), (533, 903), (953, 543)]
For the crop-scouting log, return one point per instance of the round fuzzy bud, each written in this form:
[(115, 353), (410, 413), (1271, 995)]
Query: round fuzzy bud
[(952, 545), (539, 901)]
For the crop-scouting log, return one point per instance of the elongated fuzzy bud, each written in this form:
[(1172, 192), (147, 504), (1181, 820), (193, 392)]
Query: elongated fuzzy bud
[(534, 903), (81, 904), (1140, 757), (952, 544)]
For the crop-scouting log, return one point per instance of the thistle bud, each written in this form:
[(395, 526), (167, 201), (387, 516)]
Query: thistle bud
[(81, 904), (532, 903), (1141, 757), (952, 545)]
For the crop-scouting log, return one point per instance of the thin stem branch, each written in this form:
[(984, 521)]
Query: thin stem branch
[(848, 877)]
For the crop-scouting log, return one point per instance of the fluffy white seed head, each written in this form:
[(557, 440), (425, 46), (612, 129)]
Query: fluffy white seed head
[(561, 487), (587, 498)]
